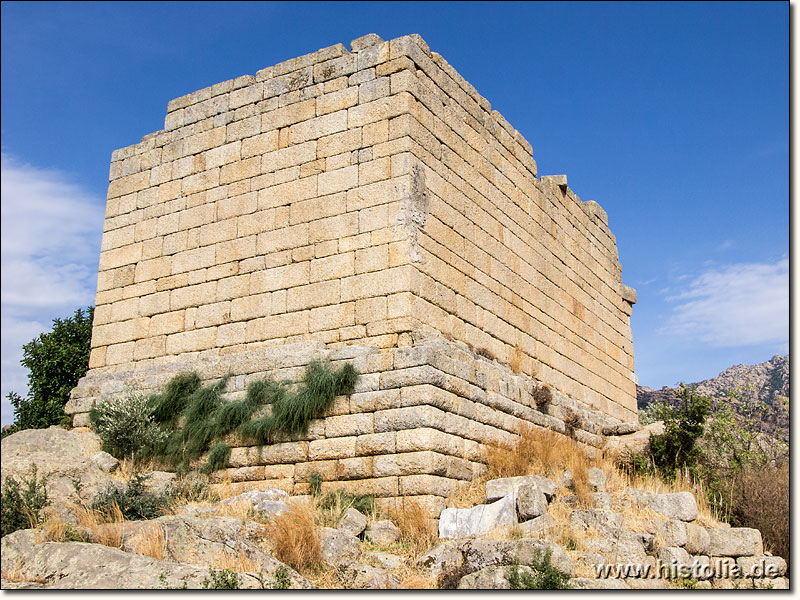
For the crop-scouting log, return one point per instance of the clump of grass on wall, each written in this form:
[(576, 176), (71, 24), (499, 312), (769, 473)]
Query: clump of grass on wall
[(194, 418)]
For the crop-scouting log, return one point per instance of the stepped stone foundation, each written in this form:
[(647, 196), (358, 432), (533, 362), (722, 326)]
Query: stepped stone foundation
[(365, 206)]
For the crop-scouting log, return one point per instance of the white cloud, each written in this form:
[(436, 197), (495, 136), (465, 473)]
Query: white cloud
[(738, 305), (51, 231)]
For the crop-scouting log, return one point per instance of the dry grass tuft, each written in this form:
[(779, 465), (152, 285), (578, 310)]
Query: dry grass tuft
[(242, 510), (238, 563), (106, 525), (416, 528), (417, 582), (149, 540), (469, 494), (295, 539), (515, 460)]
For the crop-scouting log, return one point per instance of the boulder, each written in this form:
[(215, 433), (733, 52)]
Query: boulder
[(623, 550), (587, 583), (621, 429), (443, 558), (382, 533), (597, 479), (567, 480), (607, 522), (697, 539), (466, 522), (385, 560), (160, 482), (491, 578), (531, 501), (75, 565), (63, 458), (254, 497), (676, 505), (104, 461), (601, 500), (207, 540), (352, 522), (734, 541), (273, 508), (508, 486), (361, 576), (339, 547)]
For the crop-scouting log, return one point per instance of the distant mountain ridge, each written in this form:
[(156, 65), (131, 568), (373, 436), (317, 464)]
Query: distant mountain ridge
[(765, 385)]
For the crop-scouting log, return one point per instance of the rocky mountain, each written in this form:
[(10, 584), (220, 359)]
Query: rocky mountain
[(761, 390)]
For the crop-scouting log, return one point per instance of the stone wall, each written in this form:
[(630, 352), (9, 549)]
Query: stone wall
[(365, 203)]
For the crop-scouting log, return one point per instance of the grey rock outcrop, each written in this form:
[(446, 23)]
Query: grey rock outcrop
[(353, 522)]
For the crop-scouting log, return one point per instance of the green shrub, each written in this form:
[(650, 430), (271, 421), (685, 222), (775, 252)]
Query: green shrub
[(21, 503), (221, 580), (545, 576), (206, 418), (134, 501), (677, 447), (315, 484), (55, 360), (281, 577), (126, 425)]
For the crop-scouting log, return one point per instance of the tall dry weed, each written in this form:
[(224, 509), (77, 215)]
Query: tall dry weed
[(417, 530), (294, 538), (150, 541), (237, 562)]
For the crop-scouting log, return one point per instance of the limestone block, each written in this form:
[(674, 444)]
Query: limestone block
[(509, 486), (531, 501), (354, 468), (735, 541), (327, 449), (284, 453), (378, 443), (348, 425), (674, 556), (465, 522), (761, 566), (426, 485), (382, 533), (607, 522), (678, 505), (697, 539), (339, 546), (673, 532)]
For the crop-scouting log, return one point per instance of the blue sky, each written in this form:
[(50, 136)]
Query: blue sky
[(673, 116)]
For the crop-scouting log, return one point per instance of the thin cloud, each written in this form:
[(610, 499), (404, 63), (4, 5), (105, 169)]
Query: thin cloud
[(738, 305), (51, 231)]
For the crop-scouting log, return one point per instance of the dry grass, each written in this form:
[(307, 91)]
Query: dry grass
[(469, 494), (416, 581), (294, 538), (238, 563), (417, 531), (106, 525), (149, 540), (242, 510)]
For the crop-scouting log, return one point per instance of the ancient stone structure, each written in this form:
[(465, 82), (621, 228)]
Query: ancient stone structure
[(366, 206)]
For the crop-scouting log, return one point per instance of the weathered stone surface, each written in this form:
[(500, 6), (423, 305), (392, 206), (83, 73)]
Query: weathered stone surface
[(618, 550), (534, 527), (382, 533), (607, 522), (385, 560), (697, 539), (508, 486), (361, 576), (531, 502), (567, 480), (761, 566), (466, 522), (586, 583), (105, 461), (255, 496), (339, 547), (445, 556), (75, 565), (353, 522), (734, 541), (597, 479), (673, 555), (491, 578), (672, 532), (272, 508), (637, 442), (601, 500), (677, 505), (62, 458), (160, 482)]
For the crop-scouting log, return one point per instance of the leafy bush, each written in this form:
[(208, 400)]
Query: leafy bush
[(683, 425), (545, 576), (134, 501), (56, 361), (21, 503), (281, 577), (221, 580), (126, 425)]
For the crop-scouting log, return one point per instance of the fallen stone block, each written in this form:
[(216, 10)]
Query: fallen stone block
[(466, 522)]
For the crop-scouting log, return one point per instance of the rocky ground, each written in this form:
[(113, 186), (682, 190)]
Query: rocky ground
[(517, 525)]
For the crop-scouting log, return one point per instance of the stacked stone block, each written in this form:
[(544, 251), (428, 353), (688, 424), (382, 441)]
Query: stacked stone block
[(356, 200)]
